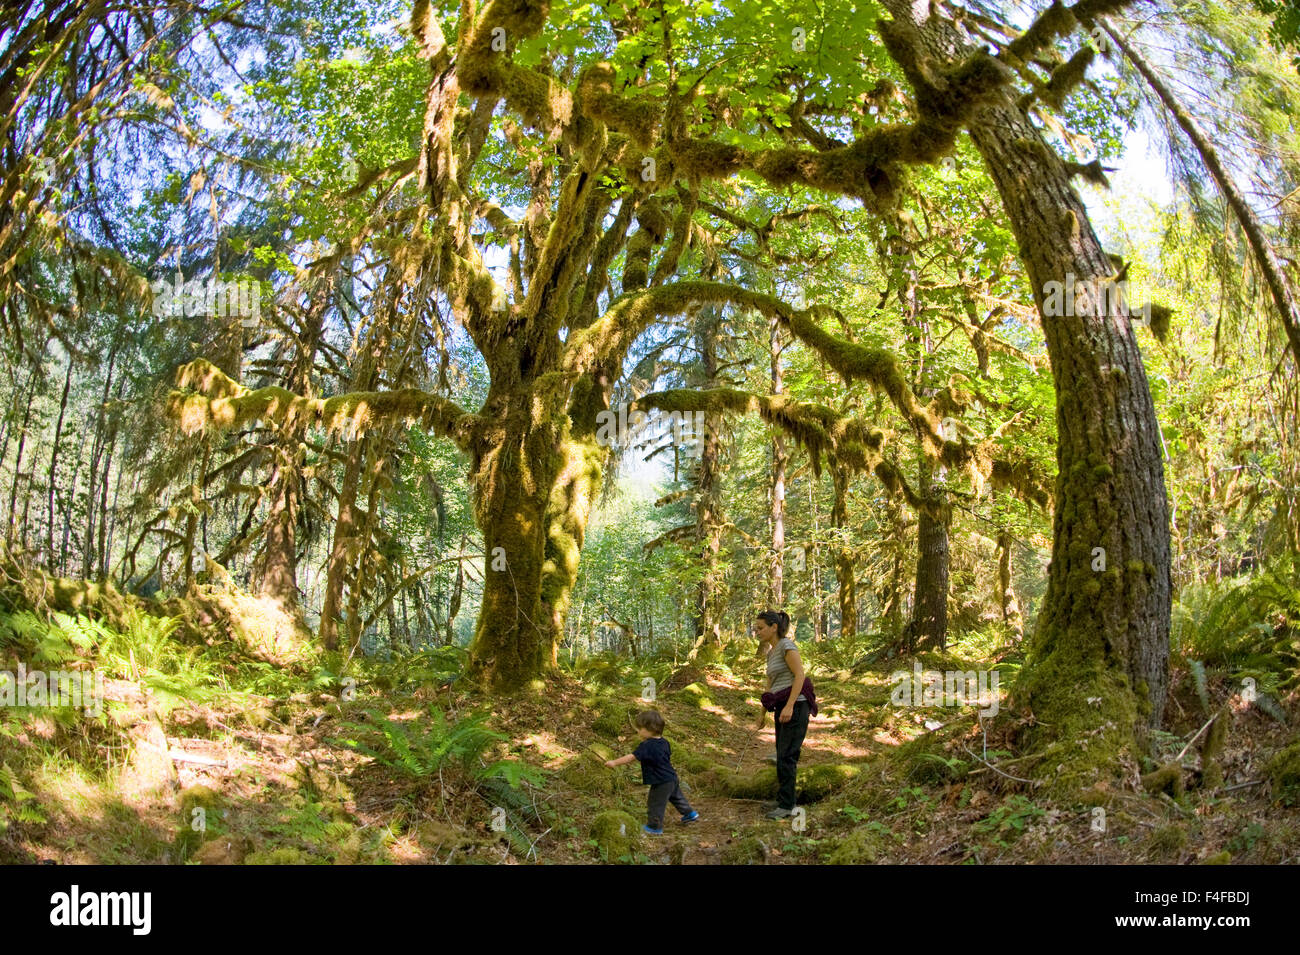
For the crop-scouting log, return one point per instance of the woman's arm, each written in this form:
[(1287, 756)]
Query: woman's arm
[(796, 668)]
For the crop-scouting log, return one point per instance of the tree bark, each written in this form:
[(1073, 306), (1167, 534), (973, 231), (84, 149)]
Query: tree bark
[(845, 560), (54, 469), (340, 548), (1103, 633), (930, 607), (779, 461), (1007, 600), (708, 517)]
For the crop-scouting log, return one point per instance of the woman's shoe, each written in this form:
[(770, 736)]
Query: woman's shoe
[(770, 804), (779, 813)]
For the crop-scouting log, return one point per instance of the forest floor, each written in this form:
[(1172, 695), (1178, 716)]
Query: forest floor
[(406, 771)]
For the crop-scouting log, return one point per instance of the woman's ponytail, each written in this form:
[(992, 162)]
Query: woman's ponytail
[(778, 618)]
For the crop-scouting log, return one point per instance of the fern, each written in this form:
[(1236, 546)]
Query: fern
[(458, 746), (1249, 624)]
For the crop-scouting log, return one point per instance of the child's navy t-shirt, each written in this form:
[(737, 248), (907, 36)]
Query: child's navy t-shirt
[(656, 766)]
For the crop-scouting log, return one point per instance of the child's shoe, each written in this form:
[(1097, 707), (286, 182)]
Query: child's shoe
[(654, 832), (691, 816)]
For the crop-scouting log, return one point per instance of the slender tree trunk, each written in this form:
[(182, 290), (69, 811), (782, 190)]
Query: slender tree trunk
[(1006, 594), (779, 460), (708, 516), (18, 463), (70, 501), (845, 560), (107, 515), (54, 469), (453, 605), (96, 454)]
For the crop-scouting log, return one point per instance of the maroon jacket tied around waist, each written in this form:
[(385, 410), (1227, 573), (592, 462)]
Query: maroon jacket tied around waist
[(772, 700)]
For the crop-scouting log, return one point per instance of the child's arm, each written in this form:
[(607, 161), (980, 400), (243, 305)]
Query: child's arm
[(621, 761)]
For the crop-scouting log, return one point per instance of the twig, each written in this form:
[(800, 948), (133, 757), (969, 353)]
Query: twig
[(531, 846), (1032, 782), (180, 756), (1228, 789), (1179, 757)]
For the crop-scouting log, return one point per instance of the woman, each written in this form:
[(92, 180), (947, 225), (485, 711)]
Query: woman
[(789, 689)]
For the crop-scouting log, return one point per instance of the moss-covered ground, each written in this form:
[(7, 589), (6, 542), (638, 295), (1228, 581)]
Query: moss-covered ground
[(207, 753)]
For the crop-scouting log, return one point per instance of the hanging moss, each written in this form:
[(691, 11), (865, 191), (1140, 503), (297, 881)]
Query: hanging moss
[(1056, 21), (1086, 10), (650, 216), (1089, 171), (876, 366), (635, 116), (483, 71), (1066, 77), (1160, 318), (636, 266), (703, 159), (222, 403)]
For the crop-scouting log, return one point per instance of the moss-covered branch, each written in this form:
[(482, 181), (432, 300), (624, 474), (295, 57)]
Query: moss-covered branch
[(631, 314), (1054, 22), (818, 429), (870, 168), (484, 68), (206, 399)]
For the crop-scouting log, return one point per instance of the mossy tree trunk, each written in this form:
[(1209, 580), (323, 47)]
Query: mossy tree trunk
[(276, 570), (340, 547), (1103, 633), (1104, 626), (708, 508), (513, 640), (1007, 599), (930, 606)]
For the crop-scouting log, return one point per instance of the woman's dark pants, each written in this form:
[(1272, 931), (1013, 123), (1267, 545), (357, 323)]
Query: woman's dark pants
[(789, 740)]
